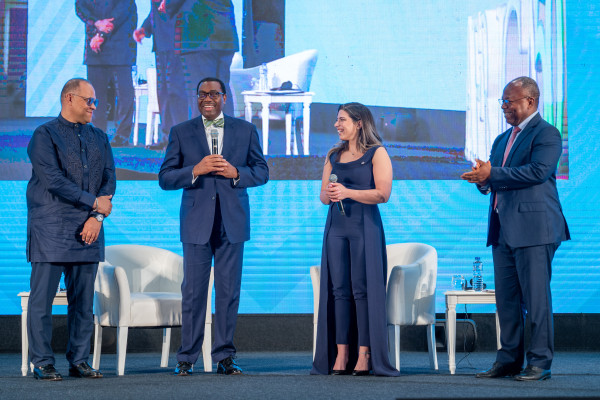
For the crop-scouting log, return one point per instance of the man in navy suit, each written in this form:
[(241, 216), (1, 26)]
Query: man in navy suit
[(526, 227), (109, 53), (172, 101), (206, 39), (213, 158)]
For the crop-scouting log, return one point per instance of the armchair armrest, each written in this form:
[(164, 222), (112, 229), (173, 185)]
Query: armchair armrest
[(112, 297), (315, 276), (401, 288)]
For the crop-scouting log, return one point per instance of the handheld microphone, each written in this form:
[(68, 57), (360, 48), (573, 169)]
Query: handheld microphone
[(214, 139), (333, 179)]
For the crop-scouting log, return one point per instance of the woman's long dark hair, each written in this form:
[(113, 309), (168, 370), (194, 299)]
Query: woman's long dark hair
[(367, 134)]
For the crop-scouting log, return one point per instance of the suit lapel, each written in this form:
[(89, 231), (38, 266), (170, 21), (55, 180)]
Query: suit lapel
[(201, 136), (526, 132), (498, 155), (228, 136)]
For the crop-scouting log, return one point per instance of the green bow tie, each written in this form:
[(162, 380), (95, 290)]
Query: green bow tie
[(219, 123)]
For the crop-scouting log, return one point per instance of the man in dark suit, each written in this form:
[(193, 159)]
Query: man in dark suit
[(110, 51), (213, 158), (68, 196), (172, 102), (206, 38), (526, 227)]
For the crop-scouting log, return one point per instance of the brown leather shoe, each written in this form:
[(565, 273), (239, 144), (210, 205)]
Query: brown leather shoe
[(499, 371)]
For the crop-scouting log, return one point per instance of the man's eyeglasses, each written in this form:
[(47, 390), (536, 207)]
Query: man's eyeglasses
[(213, 95), (88, 100), (507, 102)]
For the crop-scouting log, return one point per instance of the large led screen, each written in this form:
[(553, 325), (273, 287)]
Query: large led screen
[(430, 72)]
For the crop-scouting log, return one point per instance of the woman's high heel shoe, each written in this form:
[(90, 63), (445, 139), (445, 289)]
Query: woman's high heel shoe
[(361, 372), (364, 372), (340, 372)]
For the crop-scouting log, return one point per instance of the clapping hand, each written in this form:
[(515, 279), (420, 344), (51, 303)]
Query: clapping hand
[(479, 174)]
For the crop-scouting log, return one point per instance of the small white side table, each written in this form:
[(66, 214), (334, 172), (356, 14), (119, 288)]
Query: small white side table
[(280, 96), (455, 297), (59, 300)]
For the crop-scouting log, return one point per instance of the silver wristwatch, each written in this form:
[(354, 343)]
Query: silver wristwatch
[(99, 217)]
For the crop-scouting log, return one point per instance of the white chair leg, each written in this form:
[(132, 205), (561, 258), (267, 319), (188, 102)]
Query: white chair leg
[(166, 346), (121, 348), (206, 346), (397, 345), (97, 346), (390, 343), (149, 127), (314, 338), (156, 121), (431, 346)]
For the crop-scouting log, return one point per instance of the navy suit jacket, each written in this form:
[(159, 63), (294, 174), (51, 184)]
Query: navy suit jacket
[(528, 207), (119, 47), (162, 29), (187, 147), (203, 25)]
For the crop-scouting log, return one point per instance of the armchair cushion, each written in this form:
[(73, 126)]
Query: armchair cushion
[(155, 309)]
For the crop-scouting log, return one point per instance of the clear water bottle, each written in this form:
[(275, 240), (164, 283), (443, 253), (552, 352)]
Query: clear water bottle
[(263, 83), (477, 275)]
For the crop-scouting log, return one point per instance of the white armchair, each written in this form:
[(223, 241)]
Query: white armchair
[(140, 287), (411, 284)]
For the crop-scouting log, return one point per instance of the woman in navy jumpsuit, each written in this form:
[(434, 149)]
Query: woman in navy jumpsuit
[(352, 326)]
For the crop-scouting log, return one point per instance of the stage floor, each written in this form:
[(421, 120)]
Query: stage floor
[(285, 375)]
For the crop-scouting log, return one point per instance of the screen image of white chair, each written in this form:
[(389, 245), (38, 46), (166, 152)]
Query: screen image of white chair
[(152, 111), (296, 69), (411, 284), (140, 287), (148, 90)]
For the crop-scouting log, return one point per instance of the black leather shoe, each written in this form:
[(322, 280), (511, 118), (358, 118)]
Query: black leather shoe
[(84, 370), (119, 141), (228, 366), (183, 368), (499, 371), (533, 373), (46, 373)]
